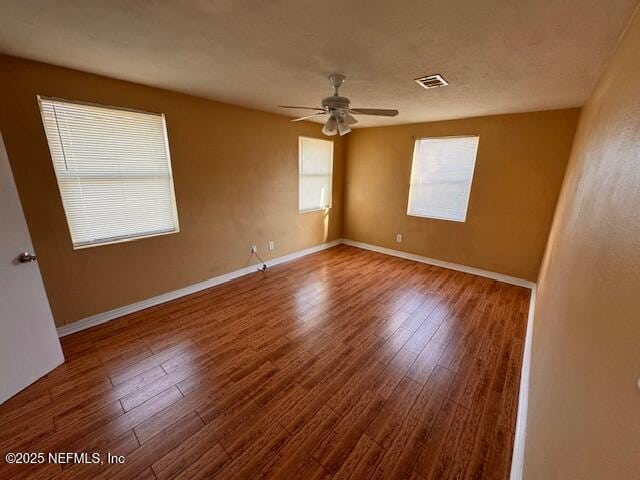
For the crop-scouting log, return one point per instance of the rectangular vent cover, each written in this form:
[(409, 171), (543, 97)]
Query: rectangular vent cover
[(432, 81)]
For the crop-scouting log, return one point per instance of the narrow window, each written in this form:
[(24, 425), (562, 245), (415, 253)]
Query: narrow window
[(315, 170), (441, 176), (113, 170)]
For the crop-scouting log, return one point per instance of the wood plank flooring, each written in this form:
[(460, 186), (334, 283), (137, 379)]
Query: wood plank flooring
[(343, 364)]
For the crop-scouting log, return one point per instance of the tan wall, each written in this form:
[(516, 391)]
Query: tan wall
[(584, 405), (519, 169), (235, 173)]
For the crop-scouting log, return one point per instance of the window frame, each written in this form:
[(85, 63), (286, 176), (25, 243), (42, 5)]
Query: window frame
[(473, 169), (300, 175), (122, 238)]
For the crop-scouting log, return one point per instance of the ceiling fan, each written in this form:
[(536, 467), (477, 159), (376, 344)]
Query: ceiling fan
[(340, 113)]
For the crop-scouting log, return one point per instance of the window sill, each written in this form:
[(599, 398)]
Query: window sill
[(122, 240), (434, 217), (314, 210)]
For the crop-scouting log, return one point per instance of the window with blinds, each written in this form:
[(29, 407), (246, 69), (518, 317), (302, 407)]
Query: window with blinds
[(113, 170), (441, 176), (315, 170)]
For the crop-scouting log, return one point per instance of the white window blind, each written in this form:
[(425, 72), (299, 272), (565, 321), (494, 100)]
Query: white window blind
[(441, 177), (113, 170), (315, 173)]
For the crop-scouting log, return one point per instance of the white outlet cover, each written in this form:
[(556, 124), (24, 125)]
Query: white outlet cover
[(272, 245), (399, 238), (254, 249)]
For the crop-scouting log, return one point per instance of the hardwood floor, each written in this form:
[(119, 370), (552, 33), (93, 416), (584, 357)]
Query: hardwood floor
[(343, 364)]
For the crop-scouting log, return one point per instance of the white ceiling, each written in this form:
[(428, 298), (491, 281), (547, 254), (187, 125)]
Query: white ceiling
[(499, 56)]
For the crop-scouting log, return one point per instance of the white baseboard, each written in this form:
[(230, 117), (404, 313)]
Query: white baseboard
[(441, 263), (104, 317), (517, 460), (166, 297)]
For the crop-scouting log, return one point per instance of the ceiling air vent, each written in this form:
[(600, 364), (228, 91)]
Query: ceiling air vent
[(432, 81)]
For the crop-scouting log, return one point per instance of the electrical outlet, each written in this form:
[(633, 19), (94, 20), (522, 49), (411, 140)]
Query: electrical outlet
[(399, 238), (254, 249), (272, 245)]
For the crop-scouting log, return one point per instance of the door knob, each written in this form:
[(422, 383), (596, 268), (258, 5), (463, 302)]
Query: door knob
[(27, 257)]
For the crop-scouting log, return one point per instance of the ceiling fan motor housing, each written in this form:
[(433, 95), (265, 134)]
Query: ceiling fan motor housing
[(335, 102)]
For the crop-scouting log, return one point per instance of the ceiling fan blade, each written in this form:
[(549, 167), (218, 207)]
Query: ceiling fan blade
[(302, 108), (331, 127), (308, 116), (374, 111)]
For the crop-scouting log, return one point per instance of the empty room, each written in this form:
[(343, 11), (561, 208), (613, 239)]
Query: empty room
[(320, 240)]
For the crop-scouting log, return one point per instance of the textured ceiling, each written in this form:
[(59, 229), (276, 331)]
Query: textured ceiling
[(499, 56)]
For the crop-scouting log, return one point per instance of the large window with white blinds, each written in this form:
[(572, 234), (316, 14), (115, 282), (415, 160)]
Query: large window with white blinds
[(315, 171), (441, 177), (113, 170)]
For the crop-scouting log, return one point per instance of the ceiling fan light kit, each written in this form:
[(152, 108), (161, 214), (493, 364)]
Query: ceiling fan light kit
[(339, 110), (330, 127)]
